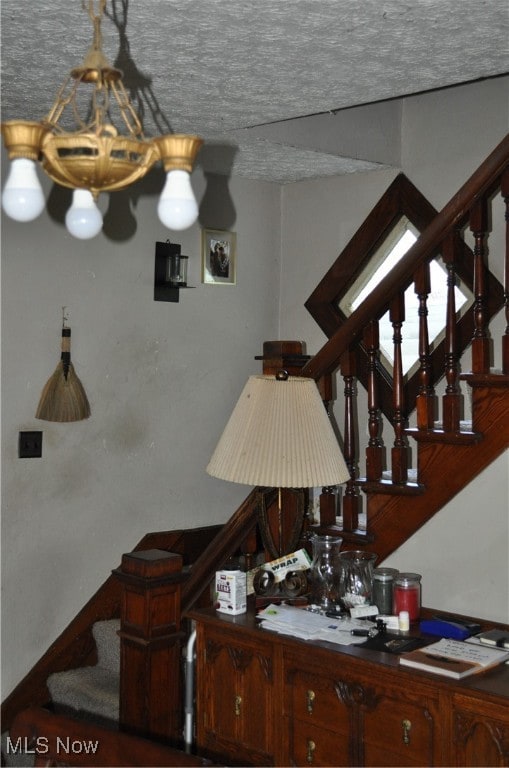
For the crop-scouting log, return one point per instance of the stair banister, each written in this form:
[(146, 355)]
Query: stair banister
[(220, 548), (451, 400), (452, 216), (425, 397)]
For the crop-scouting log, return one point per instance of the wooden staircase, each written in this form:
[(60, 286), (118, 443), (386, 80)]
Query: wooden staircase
[(450, 452)]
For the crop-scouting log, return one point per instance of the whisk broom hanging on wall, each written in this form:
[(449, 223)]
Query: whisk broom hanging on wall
[(63, 398)]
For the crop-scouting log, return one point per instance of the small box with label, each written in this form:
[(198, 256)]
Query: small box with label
[(231, 592)]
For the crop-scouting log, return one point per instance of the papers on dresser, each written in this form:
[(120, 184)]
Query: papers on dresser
[(306, 625)]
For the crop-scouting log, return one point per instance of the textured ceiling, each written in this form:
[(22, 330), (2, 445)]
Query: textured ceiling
[(223, 69)]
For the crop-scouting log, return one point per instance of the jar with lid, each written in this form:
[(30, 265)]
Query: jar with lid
[(407, 594), (383, 583)]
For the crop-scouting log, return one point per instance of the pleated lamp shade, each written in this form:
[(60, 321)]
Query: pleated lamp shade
[(279, 435)]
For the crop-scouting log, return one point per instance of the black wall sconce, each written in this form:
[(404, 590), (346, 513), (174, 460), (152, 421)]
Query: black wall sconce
[(170, 273)]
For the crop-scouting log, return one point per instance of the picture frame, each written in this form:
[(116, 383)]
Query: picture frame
[(218, 257)]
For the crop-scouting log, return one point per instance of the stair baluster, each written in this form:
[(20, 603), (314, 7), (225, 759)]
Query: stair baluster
[(328, 496), (399, 453), (451, 402), (374, 448), (425, 400), (505, 338), (480, 341), (351, 498), (328, 504)]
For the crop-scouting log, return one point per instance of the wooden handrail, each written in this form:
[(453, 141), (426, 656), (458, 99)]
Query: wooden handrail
[(482, 182), (220, 548)]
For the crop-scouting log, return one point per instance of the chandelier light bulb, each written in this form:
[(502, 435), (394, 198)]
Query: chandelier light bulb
[(177, 208), (22, 199), (83, 219)]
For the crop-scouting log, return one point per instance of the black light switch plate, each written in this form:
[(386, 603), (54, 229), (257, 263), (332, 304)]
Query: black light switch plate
[(30, 445)]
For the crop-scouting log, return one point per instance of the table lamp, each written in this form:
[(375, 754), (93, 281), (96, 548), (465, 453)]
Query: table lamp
[(279, 435)]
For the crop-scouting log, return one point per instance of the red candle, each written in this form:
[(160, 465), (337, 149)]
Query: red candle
[(407, 595)]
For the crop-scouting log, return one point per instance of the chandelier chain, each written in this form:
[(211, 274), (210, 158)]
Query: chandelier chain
[(60, 103), (126, 109), (94, 16)]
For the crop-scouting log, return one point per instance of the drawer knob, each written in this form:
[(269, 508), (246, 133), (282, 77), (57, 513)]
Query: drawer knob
[(238, 702), (310, 701), (407, 725), (311, 751)]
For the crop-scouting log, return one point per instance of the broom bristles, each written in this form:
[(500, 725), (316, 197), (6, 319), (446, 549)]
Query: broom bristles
[(63, 399)]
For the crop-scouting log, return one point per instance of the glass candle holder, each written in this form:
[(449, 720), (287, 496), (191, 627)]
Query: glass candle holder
[(355, 581), (324, 571)]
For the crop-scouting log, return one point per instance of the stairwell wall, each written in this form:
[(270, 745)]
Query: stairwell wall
[(162, 379)]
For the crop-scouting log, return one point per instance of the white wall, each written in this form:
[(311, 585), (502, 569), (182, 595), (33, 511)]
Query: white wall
[(162, 379), (446, 135)]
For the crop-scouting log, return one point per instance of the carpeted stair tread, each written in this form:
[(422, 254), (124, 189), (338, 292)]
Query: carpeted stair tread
[(88, 692), (92, 690), (108, 644)]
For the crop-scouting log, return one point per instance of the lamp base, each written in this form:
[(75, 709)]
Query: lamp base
[(281, 519)]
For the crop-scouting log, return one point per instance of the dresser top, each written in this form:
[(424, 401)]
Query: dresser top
[(246, 626)]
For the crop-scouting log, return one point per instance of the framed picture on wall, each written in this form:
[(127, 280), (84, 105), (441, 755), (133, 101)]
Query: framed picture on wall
[(218, 257)]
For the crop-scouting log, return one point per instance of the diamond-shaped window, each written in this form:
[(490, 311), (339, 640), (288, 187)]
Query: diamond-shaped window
[(393, 248)]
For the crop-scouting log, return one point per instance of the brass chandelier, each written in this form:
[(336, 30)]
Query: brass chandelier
[(94, 157)]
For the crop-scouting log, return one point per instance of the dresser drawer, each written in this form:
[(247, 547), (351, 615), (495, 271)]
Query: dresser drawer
[(313, 699), (309, 745), (400, 732)]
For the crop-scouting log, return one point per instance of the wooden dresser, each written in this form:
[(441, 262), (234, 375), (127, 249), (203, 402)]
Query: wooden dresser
[(267, 699)]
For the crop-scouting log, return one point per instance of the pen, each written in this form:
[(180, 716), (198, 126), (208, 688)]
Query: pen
[(360, 632), (434, 657)]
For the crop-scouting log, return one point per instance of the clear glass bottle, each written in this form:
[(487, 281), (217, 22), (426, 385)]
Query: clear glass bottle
[(356, 577), (383, 583), (324, 572), (407, 594)]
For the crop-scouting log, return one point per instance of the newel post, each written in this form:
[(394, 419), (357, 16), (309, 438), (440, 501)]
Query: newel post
[(150, 644)]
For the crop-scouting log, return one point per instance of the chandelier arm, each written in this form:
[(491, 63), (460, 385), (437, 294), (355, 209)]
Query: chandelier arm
[(61, 102), (82, 126), (126, 109), (100, 109)]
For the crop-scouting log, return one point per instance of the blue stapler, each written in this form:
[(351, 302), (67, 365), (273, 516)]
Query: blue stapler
[(449, 629)]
